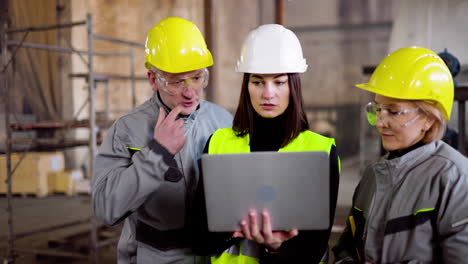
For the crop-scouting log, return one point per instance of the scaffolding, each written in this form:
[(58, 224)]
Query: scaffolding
[(92, 78)]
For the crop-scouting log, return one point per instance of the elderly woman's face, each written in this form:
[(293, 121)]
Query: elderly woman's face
[(399, 122)]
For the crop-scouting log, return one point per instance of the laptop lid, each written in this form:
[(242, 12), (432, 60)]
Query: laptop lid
[(294, 187)]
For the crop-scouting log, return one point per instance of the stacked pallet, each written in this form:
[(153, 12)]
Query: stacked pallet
[(68, 182), (30, 175), (40, 174)]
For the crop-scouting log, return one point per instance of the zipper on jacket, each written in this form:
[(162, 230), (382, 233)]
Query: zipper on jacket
[(371, 209), (364, 233), (369, 214)]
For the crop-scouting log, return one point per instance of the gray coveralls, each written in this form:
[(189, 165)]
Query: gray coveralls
[(139, 181), (412, 209)]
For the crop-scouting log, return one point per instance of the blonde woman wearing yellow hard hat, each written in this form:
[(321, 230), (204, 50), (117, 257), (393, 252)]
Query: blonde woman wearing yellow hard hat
[(411, 205), (146, 170)]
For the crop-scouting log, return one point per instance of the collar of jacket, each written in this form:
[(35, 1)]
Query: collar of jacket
[(156, 100), (408, 160), (398, 153)]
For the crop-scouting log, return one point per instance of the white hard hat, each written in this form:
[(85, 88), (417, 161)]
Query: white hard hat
[(271, 48)]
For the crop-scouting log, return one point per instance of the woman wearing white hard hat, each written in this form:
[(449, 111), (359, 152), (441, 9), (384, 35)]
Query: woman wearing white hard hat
[(271, 117)]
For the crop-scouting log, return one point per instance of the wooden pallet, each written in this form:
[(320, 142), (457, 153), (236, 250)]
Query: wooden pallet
[(30, 175), (64, 182)]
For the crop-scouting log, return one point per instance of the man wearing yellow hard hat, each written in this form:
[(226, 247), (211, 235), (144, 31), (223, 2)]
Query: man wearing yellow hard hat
[(411, 205), (146, 170)]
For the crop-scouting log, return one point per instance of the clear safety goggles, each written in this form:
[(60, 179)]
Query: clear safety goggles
[(391, 114), (173, 86)]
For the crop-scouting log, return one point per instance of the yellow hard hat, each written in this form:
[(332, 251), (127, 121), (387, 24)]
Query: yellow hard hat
[(414, 73), (176, 45)]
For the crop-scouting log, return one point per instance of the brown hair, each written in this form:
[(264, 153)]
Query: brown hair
[(437, 130), (295, 119)]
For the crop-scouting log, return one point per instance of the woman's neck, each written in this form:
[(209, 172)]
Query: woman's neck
[(398, 153)]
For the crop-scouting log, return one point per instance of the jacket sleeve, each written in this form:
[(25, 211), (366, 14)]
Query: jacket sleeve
[(453, 219), (121, 181), (206, 242)]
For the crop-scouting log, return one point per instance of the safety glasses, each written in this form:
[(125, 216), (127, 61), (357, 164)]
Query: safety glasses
[(173, 86), (391, 113)]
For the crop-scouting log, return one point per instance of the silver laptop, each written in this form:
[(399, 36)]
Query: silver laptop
[(294, 187)]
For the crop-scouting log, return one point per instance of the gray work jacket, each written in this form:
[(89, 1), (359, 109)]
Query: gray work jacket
[(411, 209), (138, 180)]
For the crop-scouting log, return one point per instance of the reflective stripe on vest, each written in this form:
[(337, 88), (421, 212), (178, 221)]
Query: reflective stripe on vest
[(225, 141), (246, 252)]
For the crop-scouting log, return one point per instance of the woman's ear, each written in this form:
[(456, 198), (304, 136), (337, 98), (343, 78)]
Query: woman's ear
[(429, 122)]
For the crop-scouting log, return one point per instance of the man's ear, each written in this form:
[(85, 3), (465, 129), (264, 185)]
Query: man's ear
[(152, 80)]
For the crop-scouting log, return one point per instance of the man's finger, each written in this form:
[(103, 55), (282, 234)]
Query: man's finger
[(161, 117), (179, 123), (175, 112)]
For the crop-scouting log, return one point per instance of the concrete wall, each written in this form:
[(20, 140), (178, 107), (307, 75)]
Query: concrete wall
[(435, 25), (233, 22), (127, 20), (335, 51), (131, 20), (338, 37)]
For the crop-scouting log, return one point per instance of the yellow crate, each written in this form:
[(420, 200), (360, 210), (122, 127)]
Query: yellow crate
[(64, 181), (31, 176)]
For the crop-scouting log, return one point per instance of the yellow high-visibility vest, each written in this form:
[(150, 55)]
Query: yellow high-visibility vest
[(225, 141)]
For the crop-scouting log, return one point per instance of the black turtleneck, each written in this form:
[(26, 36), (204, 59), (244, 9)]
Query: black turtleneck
[(268, 133), (398, 153)]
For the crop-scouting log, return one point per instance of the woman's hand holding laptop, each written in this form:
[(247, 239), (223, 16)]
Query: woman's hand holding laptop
[(263, 234)]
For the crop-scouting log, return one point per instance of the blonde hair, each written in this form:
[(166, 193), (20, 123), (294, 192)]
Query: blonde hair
[(437, 130)]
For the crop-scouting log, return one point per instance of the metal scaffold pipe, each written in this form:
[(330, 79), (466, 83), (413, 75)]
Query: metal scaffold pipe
[(9, 209), (47, 27), (121, 41), (92, 131), (62, 49)]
